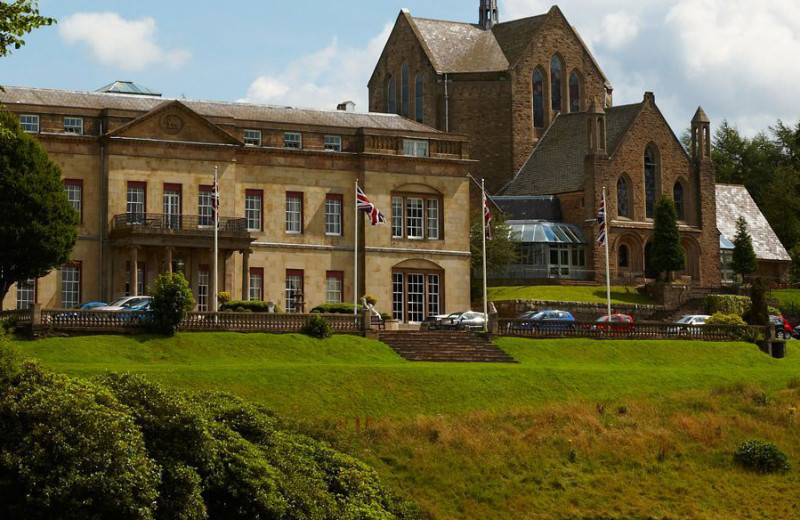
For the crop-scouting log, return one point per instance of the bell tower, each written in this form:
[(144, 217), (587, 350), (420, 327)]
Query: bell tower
[(701, 135), (489, 14)]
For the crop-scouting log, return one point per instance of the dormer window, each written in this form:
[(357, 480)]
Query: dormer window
[(73, 125), (415, 148)]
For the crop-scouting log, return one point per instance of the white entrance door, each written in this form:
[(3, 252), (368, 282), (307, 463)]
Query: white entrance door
[(172, 209)]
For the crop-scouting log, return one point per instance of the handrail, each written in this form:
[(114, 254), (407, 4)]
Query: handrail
[(159, 221)]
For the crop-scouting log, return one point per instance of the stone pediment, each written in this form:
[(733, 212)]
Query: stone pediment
[(174, 121)]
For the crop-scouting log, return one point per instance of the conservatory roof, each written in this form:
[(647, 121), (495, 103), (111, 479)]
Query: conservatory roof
[(541, 231)]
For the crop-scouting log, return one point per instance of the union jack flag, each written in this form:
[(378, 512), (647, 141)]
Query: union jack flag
[(601, 221), (487, 218), (215, 200), (363, 204)]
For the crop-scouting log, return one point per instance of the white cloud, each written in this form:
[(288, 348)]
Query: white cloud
[(619, 29), (323, 79), (125, 44)]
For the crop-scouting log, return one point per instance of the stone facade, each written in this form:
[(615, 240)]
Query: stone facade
[(167, 150)]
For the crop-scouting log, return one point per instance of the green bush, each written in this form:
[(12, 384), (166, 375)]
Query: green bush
[(172, 300), (725, 319), (253, 306), (726, 304), (317, 327), (774, 311), (335, 308), (223, 298), (762, 457)]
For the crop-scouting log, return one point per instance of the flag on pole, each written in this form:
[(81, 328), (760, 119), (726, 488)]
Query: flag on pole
[(487, 218), (601, 221), (363, 204), (214, 199)]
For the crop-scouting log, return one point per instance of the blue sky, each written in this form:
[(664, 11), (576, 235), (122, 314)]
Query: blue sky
[(737, 58)]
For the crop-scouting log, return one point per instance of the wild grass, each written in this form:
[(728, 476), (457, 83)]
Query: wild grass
[(588, 294)]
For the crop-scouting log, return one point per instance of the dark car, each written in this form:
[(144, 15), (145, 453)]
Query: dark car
[(782, 327), (547, 320)]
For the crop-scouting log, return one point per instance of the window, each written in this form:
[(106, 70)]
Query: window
[(140, 281), (252, 137), (253, 209), (74, 189), (405, 98), (256, 284), (26, 294), (202, 288), (294, 212), (71, 285), (416, 217), (294, 290), (650, 180), (415, 147), (391, 93), (333, 143), (73, 125), (172, 205), (205, 210), (416, 295), (333, 214), (433, 295), (622, 256), (418, 98), (398, 296), (136, 207), (677, 196), (623, 198), (538, 99), (574, 93), (555, 83), (30, 123), (292, 140), (333, 286)]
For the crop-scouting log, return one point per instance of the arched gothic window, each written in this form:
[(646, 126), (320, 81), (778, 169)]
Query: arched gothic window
[(418, 99), (404, 93), (649, 181), (574, 93), (391, 94), (623, 198), (538, 99), (555, 83), (677, 196), (622, 256)]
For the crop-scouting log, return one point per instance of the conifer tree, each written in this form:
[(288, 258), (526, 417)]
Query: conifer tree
[(667, 253), (744, 257)]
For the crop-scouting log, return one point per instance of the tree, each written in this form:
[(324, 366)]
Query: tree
[(794, 270), (501, 250), (172, 299), (38, 225), (667, 253), (744, 257), (16, 20)]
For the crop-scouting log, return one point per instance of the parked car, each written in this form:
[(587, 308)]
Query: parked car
[(690, 322), (87, 306), (126, 303), (547, 320), (619, 322), (782, 327), (469, 320), (434, 322)]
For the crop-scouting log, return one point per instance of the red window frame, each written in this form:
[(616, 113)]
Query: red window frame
[(340, 198), (78, 183), (258, 271), (171, 186), (296, 272), (77, 264), (299, 194), (260, 194), (136, 184), (335, 274)]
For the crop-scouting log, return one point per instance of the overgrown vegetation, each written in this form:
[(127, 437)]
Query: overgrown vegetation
[(761, 456), (726, 304)]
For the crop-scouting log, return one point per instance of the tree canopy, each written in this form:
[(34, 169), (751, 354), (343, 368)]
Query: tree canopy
[(744, 257), (501, 250), (16, 20), (38, 225), (667, 253)]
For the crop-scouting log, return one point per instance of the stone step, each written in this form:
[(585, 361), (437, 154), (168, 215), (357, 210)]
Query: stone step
[(445, 347)]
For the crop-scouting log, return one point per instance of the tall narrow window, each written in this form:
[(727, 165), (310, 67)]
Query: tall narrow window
[(623, 198), (256, 284), (333, 214), (433, 218), (391, 94), (333, 286), (26, 294), (434, 297), (405, 96), (202, 288), (398, 296), (418, 98), (622, 256), (172, 206), (253, 200), (294, 290), (414, 217), (555, 83), (74, 189), (71, 285), (650, 181), (574, 93), (538, 99), (677, 196), (204, 210), (397, 217), (136, 206), (294, 212)]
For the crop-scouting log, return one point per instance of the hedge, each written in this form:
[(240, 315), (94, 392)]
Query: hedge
[(726, 304), (335, 308), (253, 306)]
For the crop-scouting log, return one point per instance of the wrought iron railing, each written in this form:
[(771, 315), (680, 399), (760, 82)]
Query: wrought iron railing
[(162, 221)]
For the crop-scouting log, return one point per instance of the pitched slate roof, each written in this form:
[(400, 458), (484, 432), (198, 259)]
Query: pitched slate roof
[(516, 36), (240, 111), (530, 208), (556, 164), (461, 47), (734, 201)]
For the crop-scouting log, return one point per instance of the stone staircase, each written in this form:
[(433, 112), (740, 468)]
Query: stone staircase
[(444, 346)]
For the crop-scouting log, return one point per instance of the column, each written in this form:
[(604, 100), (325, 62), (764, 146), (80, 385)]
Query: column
[(134, 272), (169, 259), (246, 275)]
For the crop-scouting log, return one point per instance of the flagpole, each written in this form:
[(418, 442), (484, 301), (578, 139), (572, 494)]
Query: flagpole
[(483, 234), (215, 195), (608, 268), (355, 251)]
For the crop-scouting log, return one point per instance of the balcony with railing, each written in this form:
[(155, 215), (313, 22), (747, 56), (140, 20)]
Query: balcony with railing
[(139, 227)]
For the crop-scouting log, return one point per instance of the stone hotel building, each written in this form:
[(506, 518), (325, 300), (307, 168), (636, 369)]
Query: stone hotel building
[(139, 169)]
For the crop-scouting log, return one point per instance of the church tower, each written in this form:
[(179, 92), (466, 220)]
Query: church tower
[(489, 15)]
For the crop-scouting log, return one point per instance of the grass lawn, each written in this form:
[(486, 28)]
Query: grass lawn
[(789, 299), (589, 294), (577, 429)]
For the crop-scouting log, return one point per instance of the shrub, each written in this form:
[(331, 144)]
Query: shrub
[(335, 308), (172, 299), (774, 311), (758, 315), (253, 306), (725, 319), (761, 456), (223, 298), (317, 327), (726, 304)]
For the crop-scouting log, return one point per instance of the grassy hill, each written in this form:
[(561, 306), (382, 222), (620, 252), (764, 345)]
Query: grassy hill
[(577, 429), (565, 293)]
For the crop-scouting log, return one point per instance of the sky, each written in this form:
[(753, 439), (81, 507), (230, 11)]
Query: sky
[(739, 59)]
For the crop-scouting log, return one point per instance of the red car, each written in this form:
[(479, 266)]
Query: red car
[(782, 327), (619, 322)]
